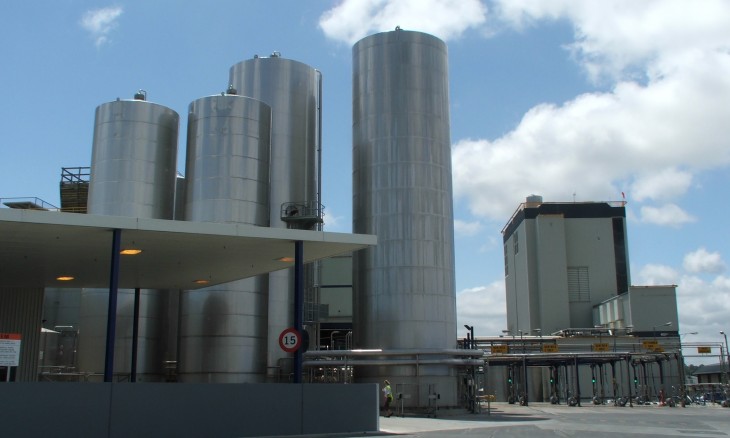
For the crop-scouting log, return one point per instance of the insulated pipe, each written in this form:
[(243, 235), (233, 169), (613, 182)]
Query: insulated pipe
[(663, 392), (613, 381), (393, 362), (628, 376), (567, 383), (524, 370), (682, 378), (400, 352)]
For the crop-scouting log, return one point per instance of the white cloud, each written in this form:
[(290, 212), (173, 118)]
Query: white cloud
[(463, 228), (352, 20), (654, 275), (490, 243), (664, 184), (484, 308), (667, 215), (334, 223), (613, 37), (702, 261), (647, 138), (703, 306), (100, 22)]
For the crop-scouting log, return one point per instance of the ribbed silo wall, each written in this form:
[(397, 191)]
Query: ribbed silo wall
[(133, 168), (404, 287), (223, 328), (292, 89), (133, 161)]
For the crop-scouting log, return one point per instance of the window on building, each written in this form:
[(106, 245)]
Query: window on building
[(516, 242), (578, 285)]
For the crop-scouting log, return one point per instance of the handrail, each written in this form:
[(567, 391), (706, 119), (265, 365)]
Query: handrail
[(33, 203), (75, 174)]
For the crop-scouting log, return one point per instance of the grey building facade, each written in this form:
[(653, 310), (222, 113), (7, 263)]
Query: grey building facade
[(561, 260)]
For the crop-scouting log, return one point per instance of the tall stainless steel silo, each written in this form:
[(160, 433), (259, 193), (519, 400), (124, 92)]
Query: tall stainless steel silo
[(133, 168), (405, 294), (293, 90), (223, 328), (133, 161)]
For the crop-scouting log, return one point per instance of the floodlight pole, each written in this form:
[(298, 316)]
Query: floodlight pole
[(471, 344)]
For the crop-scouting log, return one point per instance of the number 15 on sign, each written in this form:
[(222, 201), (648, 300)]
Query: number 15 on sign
[(290, 340)]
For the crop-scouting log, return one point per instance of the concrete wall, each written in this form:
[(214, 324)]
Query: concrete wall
[(186, 410), (590, 244), (550, 245), (520, 279), (652, 307)]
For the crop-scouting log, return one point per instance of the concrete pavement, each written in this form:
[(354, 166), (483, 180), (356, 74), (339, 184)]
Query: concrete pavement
[(545, 420)]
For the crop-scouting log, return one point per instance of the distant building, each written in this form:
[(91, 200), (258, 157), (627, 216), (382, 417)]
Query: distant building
[(714, 373), (649, 311), (561, 259), (567, 266)]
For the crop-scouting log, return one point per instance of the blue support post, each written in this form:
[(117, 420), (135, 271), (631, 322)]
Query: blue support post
[(298, 305), (111, 322), (135, 336)]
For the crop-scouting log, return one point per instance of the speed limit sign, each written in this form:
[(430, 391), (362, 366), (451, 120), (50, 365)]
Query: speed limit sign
[(290, 340)]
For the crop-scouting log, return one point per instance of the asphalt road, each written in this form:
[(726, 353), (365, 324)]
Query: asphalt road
[(540, 420)]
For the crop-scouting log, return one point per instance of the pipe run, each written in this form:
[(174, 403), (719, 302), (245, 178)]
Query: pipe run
[(391, 362), (336, 358), (401, 352)]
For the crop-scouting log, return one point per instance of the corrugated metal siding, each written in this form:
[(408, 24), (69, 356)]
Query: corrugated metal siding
[(21, 310)]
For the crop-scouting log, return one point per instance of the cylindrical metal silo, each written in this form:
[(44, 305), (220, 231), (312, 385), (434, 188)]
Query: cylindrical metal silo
[(133, 168), (292, 89), (133, 161), (223, 328), (402, 192)]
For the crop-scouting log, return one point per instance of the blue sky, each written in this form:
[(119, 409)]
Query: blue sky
[(567, 99)]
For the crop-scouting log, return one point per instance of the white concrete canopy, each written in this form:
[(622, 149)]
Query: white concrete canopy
[(36, 247)]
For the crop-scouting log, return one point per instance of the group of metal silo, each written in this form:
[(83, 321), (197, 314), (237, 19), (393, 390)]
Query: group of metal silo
[(253, 150), (245, 159)]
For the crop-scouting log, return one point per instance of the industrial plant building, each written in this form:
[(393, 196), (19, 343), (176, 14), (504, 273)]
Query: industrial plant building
[(567, 275), (567, 265), (576, 328), (234, 260), (253, 158)]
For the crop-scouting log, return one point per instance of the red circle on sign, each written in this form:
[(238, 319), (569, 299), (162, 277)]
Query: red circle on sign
[(290, 340)]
